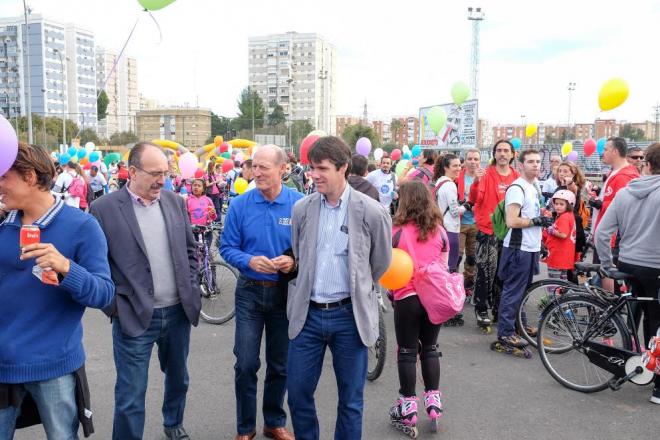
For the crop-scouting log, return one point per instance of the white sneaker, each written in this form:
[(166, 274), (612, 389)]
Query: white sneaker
[(655, 397)]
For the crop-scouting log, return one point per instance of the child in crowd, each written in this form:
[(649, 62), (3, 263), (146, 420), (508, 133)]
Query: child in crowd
[(200, 207), (559, 239)]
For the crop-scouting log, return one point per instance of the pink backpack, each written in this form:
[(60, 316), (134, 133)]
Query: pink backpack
[(441, 293), (77, 187)]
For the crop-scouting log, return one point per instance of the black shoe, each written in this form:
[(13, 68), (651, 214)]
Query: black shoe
[(176, 433), (655, 397)]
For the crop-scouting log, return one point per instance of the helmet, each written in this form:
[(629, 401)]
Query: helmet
[(565, 194)]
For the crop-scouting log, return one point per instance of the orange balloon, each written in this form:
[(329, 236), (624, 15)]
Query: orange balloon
[(400, 271)]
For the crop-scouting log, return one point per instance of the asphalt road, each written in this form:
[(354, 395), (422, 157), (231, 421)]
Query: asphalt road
[(486, 394)]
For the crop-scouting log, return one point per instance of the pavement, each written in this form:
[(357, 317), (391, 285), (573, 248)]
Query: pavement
[(486, 394)]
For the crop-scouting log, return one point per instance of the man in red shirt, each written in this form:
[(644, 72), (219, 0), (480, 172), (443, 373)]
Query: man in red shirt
[(486, 192)]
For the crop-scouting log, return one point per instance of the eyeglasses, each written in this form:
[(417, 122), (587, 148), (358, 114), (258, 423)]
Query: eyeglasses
[(636, 157), (155, 174)]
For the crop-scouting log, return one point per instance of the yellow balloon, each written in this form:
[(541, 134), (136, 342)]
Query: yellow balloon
[(566, 148), (530, 130), (125, 157), (217, 140), (240, 185), (613, 93)]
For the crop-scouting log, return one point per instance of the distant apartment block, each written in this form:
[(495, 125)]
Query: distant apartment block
[(121, 86), (190, 127)]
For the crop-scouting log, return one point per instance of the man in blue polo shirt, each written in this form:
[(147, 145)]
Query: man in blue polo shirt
[(257, 234)]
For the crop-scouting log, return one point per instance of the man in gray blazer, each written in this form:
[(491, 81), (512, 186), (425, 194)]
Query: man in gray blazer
[(342, 241), (151, 250)]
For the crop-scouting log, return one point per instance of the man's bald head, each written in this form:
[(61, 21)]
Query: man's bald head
[(271, 153)]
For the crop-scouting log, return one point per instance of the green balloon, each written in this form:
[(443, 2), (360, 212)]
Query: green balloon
[(154, 5), (400, 167), (459, 93), (437, 118), (226, 155)]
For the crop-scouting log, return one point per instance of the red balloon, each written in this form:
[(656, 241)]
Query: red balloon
[(305, 146), (396, 154), (224, 147), (87, 166), (199, 174), (227, 166), (589, 147)]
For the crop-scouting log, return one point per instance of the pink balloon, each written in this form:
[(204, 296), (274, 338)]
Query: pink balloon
[(8, 145), (589, 147), (396, 154), (187, 165), (363, 146)]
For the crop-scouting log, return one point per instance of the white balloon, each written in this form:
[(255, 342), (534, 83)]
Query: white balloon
[(230, 148), (89, 147), (405, 149), (378, 153)]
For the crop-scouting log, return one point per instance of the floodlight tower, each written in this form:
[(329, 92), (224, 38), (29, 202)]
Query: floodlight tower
[(476, 16)]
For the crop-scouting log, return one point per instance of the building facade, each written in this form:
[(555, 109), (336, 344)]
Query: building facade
[(190, 127), (341, 122), (122, 89), (606, 128), (62, 70), (297, 72)]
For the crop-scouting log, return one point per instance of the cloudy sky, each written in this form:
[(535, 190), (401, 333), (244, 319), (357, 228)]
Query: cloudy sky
[(398, 56)]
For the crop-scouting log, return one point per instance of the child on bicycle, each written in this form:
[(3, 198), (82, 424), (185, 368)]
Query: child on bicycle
[(559, 238), (200, 207)]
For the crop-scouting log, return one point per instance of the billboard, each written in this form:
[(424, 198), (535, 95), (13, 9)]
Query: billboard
[(460, 131)]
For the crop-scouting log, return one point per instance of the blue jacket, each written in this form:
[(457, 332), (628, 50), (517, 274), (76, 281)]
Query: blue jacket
[(40, 325), (256, 227)]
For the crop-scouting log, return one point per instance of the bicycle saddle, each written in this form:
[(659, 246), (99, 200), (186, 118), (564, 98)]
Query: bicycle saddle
[(587, 267)]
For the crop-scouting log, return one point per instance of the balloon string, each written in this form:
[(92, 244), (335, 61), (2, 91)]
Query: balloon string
[(160, 33), (114, 66)]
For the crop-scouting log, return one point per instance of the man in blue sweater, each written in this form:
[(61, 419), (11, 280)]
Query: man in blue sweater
[(40, 323)]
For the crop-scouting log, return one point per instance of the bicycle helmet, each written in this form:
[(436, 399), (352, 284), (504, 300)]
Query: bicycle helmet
[(565, 194)]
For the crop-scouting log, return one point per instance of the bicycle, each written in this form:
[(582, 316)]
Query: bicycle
[(377, 352), (591, 326), (217, 280)]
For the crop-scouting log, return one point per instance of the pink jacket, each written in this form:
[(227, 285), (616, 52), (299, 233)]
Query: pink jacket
[(435, 248), (201, 210)]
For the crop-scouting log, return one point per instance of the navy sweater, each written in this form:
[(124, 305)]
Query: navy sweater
[(40, 325)]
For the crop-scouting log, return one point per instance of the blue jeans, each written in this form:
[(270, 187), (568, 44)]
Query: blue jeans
[(334, 328), (56, 401), (259, 307), (516, 270), (170, 330)]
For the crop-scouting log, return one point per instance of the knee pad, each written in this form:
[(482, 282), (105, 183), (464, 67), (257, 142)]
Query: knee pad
[(470, 260), (406, 355), (429, 351)]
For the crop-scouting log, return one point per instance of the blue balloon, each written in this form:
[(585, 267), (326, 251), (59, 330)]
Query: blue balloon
[(72, 151), (415, 162), (65, 158), (94, 156), (82, 153), (516, 142), (406, 155), (600, 145), (416, 151)]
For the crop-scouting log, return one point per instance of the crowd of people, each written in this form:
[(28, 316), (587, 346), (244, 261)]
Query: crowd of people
[(311, 244)]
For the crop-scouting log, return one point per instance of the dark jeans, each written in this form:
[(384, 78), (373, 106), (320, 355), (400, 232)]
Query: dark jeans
[(217, 204), (259, 308), (487, 284), (334, 328), (516, 270), (413, 328), (170, 330)]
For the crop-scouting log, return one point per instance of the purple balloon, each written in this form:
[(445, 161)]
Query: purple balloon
[(572, 156), (363, 146), (8, 145)]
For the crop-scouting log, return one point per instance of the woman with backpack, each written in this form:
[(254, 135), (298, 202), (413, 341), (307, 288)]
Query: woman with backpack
[(417, 223)]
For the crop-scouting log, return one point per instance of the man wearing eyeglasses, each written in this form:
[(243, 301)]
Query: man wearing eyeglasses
[(151, 250), (635, 158)]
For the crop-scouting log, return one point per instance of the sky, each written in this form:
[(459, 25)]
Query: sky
[(396, 56)]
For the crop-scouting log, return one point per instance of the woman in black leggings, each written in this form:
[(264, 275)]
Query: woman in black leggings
[(417, 224)]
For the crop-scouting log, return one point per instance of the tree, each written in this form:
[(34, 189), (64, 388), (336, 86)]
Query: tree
[(249, 105), (354, 132), (89, 135), (634, 134), (102, 105), (123, 138), (395, 128), (277, 116)]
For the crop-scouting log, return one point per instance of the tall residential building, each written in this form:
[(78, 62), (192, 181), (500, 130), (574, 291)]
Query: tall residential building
[(62, 78), (188, 126), (298, 72), (122, 90)]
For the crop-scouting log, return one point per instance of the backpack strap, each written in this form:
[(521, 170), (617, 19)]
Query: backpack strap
[(508, 188), (426, 172), (397, 238)]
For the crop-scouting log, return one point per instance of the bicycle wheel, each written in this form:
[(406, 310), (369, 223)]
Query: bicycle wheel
[(534, 300), (218, 300), (378, 350), (559, 339)]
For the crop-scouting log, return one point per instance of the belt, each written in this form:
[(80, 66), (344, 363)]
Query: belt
[(332, 305), (262, 283)]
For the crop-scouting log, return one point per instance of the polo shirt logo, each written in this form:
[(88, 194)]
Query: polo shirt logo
[(285, 221)]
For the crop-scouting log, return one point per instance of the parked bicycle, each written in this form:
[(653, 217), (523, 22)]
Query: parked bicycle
[(217, 280), (588, 341), (377, 352)]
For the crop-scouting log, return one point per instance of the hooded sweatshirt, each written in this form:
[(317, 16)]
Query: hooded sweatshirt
[(634, 213)]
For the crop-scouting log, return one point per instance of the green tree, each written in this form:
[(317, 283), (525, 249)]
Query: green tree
[(634, 134), (396, 125), (354, 132), (89, 135), (277, 116), (102, 105), (123, 138), (250, 106)]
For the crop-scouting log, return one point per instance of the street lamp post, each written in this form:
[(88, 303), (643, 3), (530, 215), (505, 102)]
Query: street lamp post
[(59, 53), (290, 82), (27, 11), (571, 88)]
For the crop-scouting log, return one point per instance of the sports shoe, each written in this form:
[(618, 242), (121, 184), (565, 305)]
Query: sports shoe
[(655, 397)]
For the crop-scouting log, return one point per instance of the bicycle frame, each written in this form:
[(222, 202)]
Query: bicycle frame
[(203, 260)]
